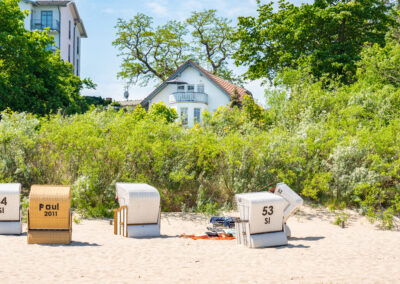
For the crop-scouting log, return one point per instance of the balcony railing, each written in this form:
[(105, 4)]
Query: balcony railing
[(192, 97), (39, 25)]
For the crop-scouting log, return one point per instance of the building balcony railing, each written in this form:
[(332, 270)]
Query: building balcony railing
[(39, 25), (188, 97)]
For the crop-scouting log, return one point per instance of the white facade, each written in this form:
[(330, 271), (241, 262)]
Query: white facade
[(28, 7), (191, 99), (65, 25)]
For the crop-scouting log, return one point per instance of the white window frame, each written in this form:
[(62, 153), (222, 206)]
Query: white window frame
[(184, 120), (195, 120)]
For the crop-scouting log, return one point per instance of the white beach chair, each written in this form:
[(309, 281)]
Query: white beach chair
[(263, 216), (10, 209), (261, 220), (139, 213)]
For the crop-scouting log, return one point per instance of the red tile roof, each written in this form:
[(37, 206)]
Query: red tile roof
[(223, 84)]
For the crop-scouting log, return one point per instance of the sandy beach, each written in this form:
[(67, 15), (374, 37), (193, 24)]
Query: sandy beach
[(318, 252)]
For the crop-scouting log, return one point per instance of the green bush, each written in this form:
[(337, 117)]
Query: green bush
[(337, 145)]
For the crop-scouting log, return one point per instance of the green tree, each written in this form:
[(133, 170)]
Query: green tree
[(150, 53), (32, 77), (326, 36), (381, 65), (154, 53), (213, 42)]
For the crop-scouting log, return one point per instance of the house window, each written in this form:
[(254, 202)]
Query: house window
[(181, 88), (69, 30), (197, 115), (184, 115), (190, 88), (77, 45), (200, 88), (47, 19), (69, 53), (77, 67)]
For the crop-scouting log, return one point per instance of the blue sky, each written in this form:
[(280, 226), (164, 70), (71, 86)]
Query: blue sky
[(99, 58)]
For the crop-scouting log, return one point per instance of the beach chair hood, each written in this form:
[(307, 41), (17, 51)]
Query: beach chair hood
[(142, 201)]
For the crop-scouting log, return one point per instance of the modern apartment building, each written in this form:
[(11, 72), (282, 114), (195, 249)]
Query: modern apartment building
[(65, 25)]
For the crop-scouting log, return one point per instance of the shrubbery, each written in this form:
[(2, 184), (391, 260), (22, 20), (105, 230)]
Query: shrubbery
[(332, 146), (332, 143)]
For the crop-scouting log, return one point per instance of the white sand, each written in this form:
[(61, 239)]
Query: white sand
[(318, 252)]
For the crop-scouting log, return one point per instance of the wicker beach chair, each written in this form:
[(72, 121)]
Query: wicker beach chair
[(139, 212), (10, 209), (49, 215), (263, 216), (261, 220)]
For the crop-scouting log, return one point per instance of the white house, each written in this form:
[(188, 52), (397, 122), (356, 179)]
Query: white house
[(192, 89), (65, 25)]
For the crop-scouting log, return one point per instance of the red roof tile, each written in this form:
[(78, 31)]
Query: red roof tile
[(223, 84)]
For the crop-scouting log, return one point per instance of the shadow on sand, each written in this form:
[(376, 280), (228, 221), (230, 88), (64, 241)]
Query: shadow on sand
[(306, 238), (72, 244), (150, 238), (289, 245), (285, 247)]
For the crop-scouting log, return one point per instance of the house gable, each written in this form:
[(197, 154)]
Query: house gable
[(216, 81)]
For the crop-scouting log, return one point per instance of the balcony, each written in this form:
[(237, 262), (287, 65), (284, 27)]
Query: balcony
[(39, 25), (188, 97)]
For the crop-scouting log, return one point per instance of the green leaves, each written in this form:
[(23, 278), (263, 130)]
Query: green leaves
[(213, 42), (32, 78), (326, 36), (149, 52), (152, 53)]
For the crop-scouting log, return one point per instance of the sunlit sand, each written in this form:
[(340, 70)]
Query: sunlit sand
[(317, 252)]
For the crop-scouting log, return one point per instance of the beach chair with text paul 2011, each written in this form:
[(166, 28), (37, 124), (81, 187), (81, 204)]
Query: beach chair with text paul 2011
[(49, 215)]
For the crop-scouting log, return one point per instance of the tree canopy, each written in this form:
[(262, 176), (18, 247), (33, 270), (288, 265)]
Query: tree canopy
[(154, 52), (150, 52), (32, 77), (212, 42), (325, 37)]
